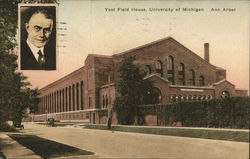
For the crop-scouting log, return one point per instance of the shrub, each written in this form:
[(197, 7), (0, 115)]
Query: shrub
[(5, 127), (224, 113)]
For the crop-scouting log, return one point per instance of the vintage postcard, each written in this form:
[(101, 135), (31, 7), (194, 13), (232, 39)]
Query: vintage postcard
[(89, 60)]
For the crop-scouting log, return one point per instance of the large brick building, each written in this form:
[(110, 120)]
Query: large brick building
[(176, 72)]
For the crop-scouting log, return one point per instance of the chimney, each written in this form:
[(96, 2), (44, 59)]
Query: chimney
[(206, 52)]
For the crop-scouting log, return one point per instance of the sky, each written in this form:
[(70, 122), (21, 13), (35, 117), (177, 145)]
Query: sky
[(91, 29)]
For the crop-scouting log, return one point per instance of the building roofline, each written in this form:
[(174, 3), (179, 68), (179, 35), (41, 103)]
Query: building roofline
[(142, 46), (190, 51), (160, 40), (61, 79), (101, 56), (107, 85), (219, 68), (156, 75), (224, 80)]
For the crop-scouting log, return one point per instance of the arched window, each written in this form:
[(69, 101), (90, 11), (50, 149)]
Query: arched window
[(57, 101), (60, 101), (225, 94), (82, 96), (173, 98), (194, 97), (179, 97), (159, 68), (181, 73), (209, 97), (185, 97), (154, 96), (67, 104), (63, 103), (69, 98), (110, 100), (103, 101), (148, 70), (77, 96), (202, 81), (204, 97), (199, 97), (90, 102), (171, 69), (50, 103), (73, 96), (192, 77), (107, 101)]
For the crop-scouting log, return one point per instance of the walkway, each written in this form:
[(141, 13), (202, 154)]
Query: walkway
[(13, 150)]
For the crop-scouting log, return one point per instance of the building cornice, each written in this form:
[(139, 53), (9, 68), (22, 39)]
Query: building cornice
[(62, 79)]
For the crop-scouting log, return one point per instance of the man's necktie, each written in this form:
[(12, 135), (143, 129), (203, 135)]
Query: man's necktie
[(41, 59)]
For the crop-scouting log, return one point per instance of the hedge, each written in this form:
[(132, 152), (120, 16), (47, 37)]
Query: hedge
[(221, 113)]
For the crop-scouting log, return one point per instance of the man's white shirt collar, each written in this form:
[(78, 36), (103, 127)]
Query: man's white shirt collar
[(34, 49)]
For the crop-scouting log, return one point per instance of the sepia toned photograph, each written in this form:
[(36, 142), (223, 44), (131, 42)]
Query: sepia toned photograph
[(124, 79), (37, 37)]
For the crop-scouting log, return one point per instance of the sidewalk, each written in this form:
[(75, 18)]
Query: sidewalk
[(13, 150)]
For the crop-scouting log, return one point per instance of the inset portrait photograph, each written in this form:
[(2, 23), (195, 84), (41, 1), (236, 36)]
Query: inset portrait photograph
[(37, 37)]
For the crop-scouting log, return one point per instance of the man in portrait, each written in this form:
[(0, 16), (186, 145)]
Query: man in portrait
[(38, 42)]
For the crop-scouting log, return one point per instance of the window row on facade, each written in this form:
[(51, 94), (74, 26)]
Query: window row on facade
[(70, 98), (178, 97), (181, 80), (106, 100)]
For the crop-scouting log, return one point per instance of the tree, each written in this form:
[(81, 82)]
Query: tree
[(15, 96), (133, 90)]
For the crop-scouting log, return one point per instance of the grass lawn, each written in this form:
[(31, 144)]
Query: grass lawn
[(47, 148), (195, 133)]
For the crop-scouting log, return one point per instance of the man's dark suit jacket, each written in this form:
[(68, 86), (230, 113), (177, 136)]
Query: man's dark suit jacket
[(29, 62)]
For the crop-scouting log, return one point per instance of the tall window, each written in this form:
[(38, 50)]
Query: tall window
[(73, 96), (107, 101), (171, 69), (69, 98), (181, 73), (82, 95), (110, 100), (54, 102), (60, 99), (50, 103), (63, 104), (103, 101), (202, 81), (67, 104), (77, 96), (148, 70), (57, 101), (90, 102), (159, 68), (192, 77)]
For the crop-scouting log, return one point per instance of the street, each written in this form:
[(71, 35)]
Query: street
[(132, 145)]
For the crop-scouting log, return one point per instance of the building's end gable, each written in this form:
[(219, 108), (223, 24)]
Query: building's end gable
[(163, 41), (224, 81), (154, 77)]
